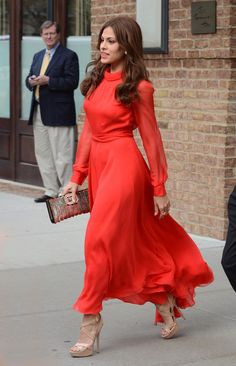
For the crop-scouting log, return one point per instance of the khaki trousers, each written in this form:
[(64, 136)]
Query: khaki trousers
[(54, 150)]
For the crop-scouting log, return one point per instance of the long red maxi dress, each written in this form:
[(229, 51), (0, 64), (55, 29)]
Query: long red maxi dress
[(130, 254)]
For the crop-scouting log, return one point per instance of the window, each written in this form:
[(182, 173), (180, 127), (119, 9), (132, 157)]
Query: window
[(4, 60), (78, 37), (34, 14), (78, 17), (152, 16), (4, 18)]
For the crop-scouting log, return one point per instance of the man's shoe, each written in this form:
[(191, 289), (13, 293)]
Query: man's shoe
[(43, 198)]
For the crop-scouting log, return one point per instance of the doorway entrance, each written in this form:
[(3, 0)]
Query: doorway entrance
[(19, 41)]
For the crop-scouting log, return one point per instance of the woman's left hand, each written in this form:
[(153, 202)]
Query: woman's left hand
[(161, 205)]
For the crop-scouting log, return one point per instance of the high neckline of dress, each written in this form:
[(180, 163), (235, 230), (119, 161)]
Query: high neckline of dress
[(112, 75)]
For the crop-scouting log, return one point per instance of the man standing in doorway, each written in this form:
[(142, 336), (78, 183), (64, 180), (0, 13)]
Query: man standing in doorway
[(53, 77)]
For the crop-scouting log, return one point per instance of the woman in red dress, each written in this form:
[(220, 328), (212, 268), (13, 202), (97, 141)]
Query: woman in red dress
[(134, 250)]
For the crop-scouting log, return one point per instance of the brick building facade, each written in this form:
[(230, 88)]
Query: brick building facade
[(195, 103)]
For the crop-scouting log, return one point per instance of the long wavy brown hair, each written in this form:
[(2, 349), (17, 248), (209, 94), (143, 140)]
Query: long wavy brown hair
[(129, 37)]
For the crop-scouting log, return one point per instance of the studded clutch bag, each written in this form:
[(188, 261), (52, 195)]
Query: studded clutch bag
[(61, 208)]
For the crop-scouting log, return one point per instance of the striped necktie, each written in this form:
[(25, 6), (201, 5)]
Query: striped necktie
[(43, 69)]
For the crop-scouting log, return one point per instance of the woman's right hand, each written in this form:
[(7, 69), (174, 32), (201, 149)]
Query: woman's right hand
[(72, 188), (161, 205)]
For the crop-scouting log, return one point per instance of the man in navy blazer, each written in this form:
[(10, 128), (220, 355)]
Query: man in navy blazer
[(53, 77)]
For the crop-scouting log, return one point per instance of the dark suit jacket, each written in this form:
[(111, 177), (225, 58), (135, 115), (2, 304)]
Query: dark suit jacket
[(57, 104)]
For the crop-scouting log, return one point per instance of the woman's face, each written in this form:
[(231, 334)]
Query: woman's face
[(110, 50)]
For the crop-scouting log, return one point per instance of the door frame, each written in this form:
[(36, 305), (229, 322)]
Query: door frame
[(14, 130)]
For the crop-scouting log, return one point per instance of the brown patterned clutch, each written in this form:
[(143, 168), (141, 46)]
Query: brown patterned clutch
[(61, 208)]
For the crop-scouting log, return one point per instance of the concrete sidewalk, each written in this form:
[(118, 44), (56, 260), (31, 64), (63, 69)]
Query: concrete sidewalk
[(41, 276)]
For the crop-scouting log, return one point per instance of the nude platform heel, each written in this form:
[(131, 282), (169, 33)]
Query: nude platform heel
[(167, 312), (89, 335)]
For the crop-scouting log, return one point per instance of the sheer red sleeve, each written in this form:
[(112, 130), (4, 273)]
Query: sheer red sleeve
[(80, 167), (151, 137)]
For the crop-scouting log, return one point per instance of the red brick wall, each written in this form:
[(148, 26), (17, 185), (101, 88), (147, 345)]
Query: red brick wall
[(195, 107), (196, 116)]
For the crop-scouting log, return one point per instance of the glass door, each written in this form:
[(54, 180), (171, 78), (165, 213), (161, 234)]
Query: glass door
[(4, 60), (33, 14), (20, 22), (5, 123), (79, 37)]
